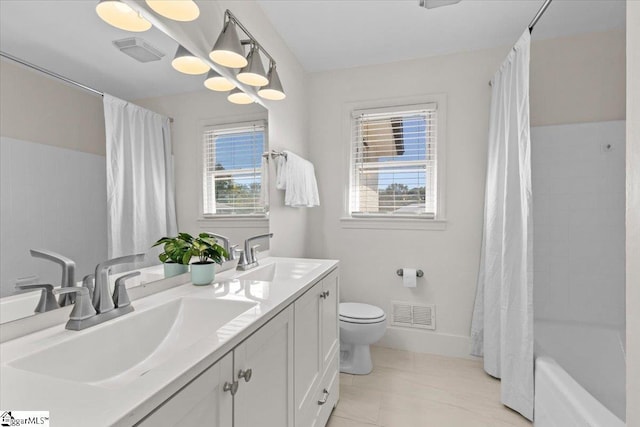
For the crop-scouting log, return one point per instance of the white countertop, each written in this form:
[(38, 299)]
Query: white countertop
[(81, 404)]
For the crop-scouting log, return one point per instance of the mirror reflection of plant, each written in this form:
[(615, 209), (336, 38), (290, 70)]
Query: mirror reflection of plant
[(176, 249), (182, 248)]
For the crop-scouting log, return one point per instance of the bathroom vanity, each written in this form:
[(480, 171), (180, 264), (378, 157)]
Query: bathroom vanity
[(255, 348)]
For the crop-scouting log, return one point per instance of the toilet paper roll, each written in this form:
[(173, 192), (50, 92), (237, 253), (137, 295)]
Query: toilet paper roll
[(409, 277)]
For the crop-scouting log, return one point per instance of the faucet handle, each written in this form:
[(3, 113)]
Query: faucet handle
[(101, 300), (88, 282), (120, 295), (254, 252), (47, 300), (83, 309), (232, 252)]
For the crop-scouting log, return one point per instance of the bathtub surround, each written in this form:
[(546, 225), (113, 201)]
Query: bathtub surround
[(578, 223), (502, 324), (140, 190), (579, 297)]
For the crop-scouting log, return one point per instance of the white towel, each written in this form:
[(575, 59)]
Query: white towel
[(300, 182), (281, 183)]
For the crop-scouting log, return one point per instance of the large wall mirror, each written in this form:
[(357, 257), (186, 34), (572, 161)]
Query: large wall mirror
[(53, 166)]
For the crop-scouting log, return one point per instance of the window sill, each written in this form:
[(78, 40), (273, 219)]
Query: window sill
[(398, 223), (235, 221)]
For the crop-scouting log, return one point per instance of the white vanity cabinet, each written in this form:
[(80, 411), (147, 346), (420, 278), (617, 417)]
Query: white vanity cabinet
[(202, 402), (263, 397), (316, 352), (285, 374), (258, 375)]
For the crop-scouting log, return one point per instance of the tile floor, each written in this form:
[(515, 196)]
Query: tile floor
[(421, 390)]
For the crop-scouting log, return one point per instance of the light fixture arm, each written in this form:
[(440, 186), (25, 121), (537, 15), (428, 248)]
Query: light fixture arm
[(228, 16)]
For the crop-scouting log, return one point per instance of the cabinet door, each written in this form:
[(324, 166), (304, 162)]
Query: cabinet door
[(200, 403), (330, 325), (265, 400), (307, 353)]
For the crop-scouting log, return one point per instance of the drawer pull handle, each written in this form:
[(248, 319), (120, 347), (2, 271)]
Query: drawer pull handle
[(325, 397), (230, 387), (246, 374)]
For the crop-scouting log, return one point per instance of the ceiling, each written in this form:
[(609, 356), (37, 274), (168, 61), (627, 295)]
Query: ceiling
[(68, 37), (327, 35)]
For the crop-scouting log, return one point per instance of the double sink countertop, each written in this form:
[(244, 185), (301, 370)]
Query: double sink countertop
[(117, 372)]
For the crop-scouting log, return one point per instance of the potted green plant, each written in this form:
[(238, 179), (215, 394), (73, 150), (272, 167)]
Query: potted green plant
[(209, 252), (176, 254)]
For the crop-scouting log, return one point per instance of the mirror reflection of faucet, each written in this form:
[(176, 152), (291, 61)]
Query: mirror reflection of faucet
[(47, 300), (68, 272)]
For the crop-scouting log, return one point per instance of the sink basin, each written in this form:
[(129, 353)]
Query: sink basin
[(124, 349), (279, 271)]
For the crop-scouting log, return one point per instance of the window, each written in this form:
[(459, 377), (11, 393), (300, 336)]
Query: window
[(394, 162), (232, 169)]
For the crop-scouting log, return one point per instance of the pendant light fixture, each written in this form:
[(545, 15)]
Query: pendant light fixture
[(121, 15), (272, 91), (228, 50), (217, 82), (239, 97), (253, 74), (187, 63), (178, 10)]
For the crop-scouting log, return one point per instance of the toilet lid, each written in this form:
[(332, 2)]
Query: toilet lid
[(360, 313)]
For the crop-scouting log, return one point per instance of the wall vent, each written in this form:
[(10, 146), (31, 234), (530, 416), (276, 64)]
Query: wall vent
[(138, 49), (413, 315)]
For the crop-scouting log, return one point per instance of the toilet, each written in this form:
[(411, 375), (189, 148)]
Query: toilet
[(360, 326)]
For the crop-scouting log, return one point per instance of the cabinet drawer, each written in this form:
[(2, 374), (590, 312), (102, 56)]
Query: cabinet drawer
[(330, 383)]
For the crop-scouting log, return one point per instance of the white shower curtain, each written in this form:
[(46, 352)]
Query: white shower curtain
[(140, 188), (502, 326)]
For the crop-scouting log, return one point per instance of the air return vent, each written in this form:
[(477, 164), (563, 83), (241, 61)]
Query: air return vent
[(413, 315), (138, 49)]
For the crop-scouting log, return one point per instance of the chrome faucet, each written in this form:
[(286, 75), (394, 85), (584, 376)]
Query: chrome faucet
[(68, 272), (248, 258), (102, 306), (102, 300), (226, 244)]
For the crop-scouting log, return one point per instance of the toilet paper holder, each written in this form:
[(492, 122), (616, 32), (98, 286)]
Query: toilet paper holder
[(400, 272)]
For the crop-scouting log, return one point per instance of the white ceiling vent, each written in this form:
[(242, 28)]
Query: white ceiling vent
[(138, 49), (413, 315)]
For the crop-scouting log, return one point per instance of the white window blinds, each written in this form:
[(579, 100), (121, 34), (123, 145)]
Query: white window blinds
[(232, 176), (394, 164)]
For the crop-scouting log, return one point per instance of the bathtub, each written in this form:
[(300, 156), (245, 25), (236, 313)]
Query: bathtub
[(579, 376)]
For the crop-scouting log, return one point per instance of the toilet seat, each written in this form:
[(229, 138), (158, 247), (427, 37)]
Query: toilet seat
[(353, 312)]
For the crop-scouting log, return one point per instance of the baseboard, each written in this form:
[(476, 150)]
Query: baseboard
[(421, 341)]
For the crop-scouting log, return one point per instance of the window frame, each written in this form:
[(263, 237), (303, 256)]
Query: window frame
[(248, 220), (397, 221)]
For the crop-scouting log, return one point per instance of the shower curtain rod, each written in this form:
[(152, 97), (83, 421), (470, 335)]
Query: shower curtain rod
[(536, 18), (55, 75)]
